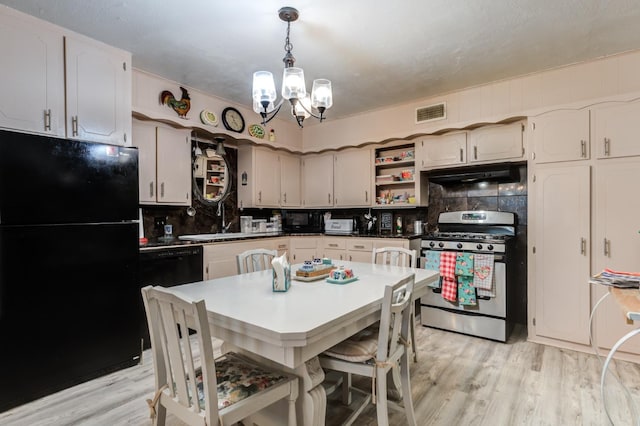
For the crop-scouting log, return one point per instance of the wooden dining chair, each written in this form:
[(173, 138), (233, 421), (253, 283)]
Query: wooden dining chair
[(373, 355), (396, 256), (255, 260), (190, 383), (400, 256)]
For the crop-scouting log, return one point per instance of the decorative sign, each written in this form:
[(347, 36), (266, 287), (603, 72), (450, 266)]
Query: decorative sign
[(386, 221)]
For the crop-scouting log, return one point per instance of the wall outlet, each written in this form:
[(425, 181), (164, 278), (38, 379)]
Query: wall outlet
[(159, 222)]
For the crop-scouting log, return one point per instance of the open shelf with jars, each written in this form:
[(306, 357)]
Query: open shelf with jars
[(396, 181), (211, 176)]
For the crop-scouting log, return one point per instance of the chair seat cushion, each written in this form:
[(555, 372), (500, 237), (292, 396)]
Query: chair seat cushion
[(238, 379), (360, 347)]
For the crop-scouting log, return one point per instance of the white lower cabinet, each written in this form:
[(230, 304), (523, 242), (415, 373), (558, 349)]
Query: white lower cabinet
[(562, 228), (303, 248)]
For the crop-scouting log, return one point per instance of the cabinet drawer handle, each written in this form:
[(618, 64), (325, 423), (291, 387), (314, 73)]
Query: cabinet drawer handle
[(47, 119), (281, 246), (583, 246), (74, 125), (162, 190), (151, 189), (333, 245), (359, 247), (583, 148), (607, 147), (461, 153)]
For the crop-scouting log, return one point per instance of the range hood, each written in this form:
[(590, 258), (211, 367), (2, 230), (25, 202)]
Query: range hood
[(509, 172)]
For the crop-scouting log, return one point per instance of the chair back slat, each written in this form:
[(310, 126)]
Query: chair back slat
[(255, 260), (395, 256), (395, 316)]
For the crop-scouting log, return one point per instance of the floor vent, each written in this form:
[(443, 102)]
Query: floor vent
[(431, 113)]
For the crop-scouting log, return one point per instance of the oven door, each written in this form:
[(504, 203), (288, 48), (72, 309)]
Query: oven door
[(495, 306)]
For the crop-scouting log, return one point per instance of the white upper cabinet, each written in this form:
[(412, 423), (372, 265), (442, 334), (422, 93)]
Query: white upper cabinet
[(489, 144), (353, 178), (616, 130), (268, 178), (98, 91), (446, 150), (32, 73), (48, 70), (290, 181), (496, 143), (317, 180), (164, 164), (561, 135)]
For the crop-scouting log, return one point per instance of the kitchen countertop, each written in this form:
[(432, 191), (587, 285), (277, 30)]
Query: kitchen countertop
[(158, 242)]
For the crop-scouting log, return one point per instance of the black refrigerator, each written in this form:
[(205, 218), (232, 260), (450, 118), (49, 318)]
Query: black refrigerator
[(70, 304)]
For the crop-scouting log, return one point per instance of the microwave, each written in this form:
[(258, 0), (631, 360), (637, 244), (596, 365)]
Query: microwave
[(302, 221)]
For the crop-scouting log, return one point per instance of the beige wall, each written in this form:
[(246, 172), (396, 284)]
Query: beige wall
[(145, 101), (571, 86)]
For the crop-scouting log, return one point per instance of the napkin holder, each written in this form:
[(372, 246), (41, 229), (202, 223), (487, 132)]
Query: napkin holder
[(281, 273)]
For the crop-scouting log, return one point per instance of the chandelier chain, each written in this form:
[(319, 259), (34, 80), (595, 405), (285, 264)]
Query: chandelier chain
[(288, 46)]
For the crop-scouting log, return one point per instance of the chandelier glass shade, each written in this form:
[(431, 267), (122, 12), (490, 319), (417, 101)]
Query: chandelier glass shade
[(293, 86)]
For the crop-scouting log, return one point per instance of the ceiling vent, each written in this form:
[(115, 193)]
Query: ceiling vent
[(431, 113)]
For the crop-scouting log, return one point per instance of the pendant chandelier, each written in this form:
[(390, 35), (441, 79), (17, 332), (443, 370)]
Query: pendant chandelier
[(293, 86)]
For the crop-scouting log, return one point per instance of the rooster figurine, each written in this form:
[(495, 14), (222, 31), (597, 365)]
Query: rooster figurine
[(181, 106)]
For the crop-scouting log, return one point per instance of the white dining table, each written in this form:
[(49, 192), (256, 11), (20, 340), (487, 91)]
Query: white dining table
[(290, 329)]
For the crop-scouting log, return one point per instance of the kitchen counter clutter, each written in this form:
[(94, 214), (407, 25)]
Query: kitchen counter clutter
[(153, 243)]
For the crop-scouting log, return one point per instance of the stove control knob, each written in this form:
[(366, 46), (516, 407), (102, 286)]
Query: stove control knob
[(479, 246), (459, 245), (440, 244), (490, 246), (432, 244)]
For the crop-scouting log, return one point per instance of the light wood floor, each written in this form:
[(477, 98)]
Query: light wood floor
[(459, 380)]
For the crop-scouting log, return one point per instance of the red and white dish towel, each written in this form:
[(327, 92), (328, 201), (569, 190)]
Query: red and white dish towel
[(483, 275), (448, 274)]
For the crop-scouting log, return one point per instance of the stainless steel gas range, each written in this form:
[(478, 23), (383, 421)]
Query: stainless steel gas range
[(488, 233)]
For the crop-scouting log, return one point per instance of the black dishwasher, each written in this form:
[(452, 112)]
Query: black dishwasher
[(166, 267)]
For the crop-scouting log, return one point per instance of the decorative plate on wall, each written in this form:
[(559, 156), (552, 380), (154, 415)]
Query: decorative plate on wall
[(208, 117), (257, 131)]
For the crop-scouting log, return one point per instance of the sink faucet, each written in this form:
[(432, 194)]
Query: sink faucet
[(225, 227)]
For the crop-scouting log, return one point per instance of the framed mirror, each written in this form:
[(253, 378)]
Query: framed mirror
[(211, 178)]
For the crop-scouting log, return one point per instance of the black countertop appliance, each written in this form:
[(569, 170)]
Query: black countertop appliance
[(69, 287)]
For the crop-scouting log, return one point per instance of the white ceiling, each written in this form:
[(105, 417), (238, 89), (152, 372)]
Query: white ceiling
[(376, 53)]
